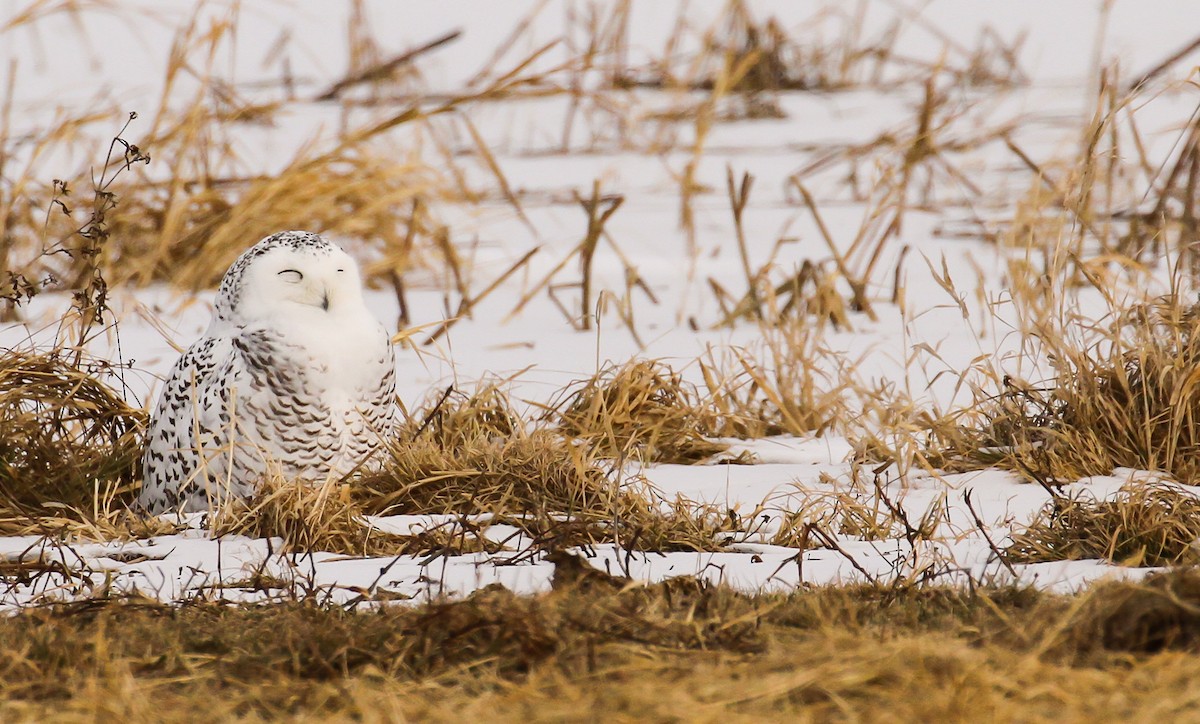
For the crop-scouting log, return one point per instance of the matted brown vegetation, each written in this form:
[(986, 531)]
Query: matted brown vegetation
[(1159, 615), (600, 647)]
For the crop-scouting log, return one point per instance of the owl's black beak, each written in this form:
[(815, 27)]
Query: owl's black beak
[(325, 301)]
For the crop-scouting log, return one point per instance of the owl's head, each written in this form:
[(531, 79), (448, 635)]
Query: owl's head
[(288, 272)]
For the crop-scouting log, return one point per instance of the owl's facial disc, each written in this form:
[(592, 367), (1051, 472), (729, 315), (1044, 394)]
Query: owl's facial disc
[(286, 278)]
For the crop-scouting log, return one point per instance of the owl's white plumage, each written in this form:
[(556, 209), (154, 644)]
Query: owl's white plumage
[(294, 374)]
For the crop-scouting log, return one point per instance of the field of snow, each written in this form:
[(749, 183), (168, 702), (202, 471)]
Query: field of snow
[(924, 343)]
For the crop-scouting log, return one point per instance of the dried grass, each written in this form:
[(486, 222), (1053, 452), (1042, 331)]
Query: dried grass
[(189, 215), (1143, 525), (471, 456), (1123, 395), (465, 455), (834, 53), (67, 439), (1127, 398), (326, 517), (1161, 614), (307, 517), (600, 647), (639, 410), (189, 234), (784, 384)]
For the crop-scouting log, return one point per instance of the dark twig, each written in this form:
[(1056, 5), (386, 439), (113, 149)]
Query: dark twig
[(383, 70), (1000, 556), (1157, 70)]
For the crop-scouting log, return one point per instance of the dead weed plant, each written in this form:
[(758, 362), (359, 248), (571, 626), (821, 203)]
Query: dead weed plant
[(1143, 525), (642, 410), (307, 517), (67, 439), (1127, 398), (784, 384)]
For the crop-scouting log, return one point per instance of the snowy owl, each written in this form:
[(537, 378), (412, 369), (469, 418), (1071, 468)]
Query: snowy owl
[(293, 375)]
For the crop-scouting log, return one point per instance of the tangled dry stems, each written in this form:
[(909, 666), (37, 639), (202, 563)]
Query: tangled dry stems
[(66, 437), (185, 219), (307, 517), (641, 410), (1127, 399), (166, 231), (466, 455), (1145, 524), (472, 456)]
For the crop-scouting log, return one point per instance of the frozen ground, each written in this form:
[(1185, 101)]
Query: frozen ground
[(542, 352), (192, 565)]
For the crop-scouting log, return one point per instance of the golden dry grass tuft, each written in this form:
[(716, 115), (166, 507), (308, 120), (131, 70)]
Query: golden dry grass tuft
[(66, 437), (325, 517), (307, 517), (1143, 525), (165, 232), (70, 449), (456, 417), (787, 383), (460, 462), (640, 409), (1127, 398), (330, 515)]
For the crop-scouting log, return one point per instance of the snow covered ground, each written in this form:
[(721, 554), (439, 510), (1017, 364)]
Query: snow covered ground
[(913, 347)]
